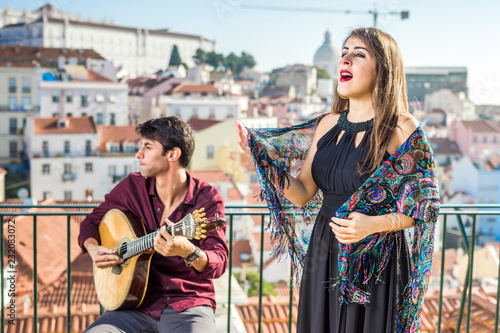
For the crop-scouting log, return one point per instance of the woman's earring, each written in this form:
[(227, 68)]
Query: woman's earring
[(341, 96)]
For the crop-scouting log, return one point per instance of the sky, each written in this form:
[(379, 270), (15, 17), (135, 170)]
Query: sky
[(437, 33)]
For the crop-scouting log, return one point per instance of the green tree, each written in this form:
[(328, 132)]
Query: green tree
[(321, 73), (214, 59), (14, 181), (175, 58), (232, 62), (253, 279), (247, 60), (200, 57)]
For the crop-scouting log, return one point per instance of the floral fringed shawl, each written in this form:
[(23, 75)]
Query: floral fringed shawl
[(406, 182)]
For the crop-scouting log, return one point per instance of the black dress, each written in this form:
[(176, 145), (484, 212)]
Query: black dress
[(334, 171)]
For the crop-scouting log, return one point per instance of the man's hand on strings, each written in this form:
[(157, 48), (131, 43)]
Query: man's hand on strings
[(102, 256), (167, 246)]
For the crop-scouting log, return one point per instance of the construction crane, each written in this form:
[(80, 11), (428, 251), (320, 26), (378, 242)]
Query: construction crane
[(403, 14)]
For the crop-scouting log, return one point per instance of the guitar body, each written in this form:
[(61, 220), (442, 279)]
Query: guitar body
[(122, 286)]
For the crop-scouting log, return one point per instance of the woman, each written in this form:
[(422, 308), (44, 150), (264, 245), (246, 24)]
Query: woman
[(369, 255)]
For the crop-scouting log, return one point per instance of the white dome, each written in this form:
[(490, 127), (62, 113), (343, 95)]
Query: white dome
[(326, 57)]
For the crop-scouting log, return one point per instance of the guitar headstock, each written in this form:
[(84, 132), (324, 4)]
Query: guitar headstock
[(203, 226), (195, 225)]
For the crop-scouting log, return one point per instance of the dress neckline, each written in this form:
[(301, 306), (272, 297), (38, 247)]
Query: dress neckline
[(350, 127)]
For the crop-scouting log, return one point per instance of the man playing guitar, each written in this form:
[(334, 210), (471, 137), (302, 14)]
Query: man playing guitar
[(180, 293)]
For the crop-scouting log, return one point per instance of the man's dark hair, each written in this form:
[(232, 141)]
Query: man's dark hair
[(171, 132)]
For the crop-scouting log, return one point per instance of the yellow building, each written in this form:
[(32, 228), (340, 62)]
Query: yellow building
[(217, 148)]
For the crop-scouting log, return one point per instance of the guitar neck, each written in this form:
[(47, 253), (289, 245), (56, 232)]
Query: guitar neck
[(139, 245)]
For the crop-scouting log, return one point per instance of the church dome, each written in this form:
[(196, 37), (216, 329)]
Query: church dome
[(326, 57)]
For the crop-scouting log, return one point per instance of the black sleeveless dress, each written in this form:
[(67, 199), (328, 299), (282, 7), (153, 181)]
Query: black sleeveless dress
[(334, 171)]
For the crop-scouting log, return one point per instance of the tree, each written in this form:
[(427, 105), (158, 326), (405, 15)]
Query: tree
[(247, 61), (321, 73), (214, 59), (253, 279), (175, 58), (232, 62), (200, 57)]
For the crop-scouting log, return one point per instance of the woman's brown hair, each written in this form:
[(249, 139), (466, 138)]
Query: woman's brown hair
[(390, 98)]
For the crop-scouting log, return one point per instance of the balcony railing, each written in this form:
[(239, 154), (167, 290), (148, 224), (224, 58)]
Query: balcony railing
[(459, 211)]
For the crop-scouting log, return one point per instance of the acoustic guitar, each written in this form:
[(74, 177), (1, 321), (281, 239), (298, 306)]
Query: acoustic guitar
[(124, 286)]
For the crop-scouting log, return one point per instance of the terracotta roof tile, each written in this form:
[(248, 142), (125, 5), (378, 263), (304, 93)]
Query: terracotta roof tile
[(94, 76), (116, 134), (27, 64), (201, 124), (481, 126), (267, 239), (75, 125), (195, 88), (30, 53)]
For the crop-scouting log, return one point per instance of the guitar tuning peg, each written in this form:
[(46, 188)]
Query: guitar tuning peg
[(203, 231), (202, 209), (203, 225), (203, 236), (197, 238), (202, 214), (198, 228)]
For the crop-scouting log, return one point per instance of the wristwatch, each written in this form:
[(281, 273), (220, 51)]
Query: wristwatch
[(190, 259)]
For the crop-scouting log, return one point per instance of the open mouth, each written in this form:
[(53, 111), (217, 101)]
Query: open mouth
[(345, 76)]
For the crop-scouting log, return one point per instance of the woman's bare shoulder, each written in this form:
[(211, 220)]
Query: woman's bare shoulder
[(407, 124), (327, 122)]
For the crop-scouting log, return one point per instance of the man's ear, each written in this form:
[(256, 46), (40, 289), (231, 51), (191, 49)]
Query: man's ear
[(174, 154)]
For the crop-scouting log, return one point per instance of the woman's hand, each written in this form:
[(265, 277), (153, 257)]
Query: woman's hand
[(243, 138), (356, 227)]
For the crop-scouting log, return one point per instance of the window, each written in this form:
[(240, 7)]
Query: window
[(88, 148), (12, 102), (88, 168), (126, 169), (112, 119), (177, 112), (46, 195), (67, 148), (112, 98), (69, 114), (89, 194), (67, 169), (112, 170), (230, 113), (45, 148), (85, 100), (46, 169), (474, 139), (254, 179), (211, 114), (114, 148), (485, 139), (12, 84), (55, 97), (13, 149), (26, 85), (494, 139), (69, 97), (26, 103), (210, 152), (195, 113), (67, 195), (99, 118), (13, 126)]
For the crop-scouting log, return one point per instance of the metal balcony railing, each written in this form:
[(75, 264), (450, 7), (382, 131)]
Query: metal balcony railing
[(460, 211)]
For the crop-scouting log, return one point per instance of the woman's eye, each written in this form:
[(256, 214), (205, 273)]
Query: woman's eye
[(343, 54), (359, 55)]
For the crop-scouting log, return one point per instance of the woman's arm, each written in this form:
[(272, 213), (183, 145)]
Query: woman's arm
[(302, 189)]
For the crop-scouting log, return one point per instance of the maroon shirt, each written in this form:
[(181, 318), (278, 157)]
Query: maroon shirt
[(171, 283)]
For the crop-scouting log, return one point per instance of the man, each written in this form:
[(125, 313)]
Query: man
[(180, 294)]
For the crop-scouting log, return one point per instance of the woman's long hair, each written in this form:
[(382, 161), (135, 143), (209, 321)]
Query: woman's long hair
[(390, 98)]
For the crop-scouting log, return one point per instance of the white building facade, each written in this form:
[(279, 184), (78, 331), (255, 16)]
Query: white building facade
[(106, 102), (137, 51)]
